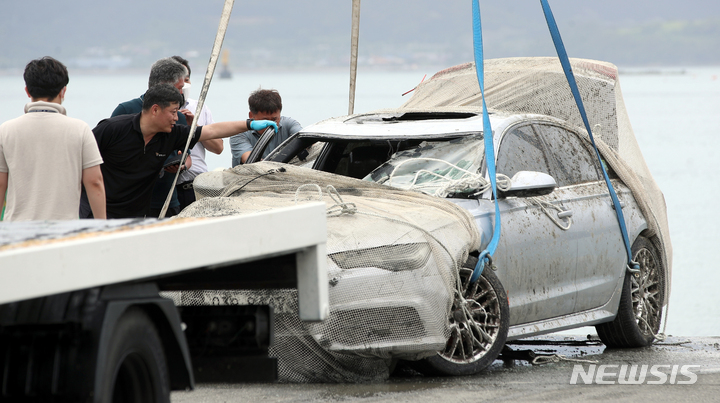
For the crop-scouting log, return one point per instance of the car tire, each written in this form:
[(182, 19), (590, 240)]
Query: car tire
[(640, 309), (491, 314), (136, 369)]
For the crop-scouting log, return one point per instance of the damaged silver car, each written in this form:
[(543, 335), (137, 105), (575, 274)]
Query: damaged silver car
[(561, 262)]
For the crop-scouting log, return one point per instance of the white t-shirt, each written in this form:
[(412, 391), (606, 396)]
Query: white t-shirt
[(44, 153), (198, 152)]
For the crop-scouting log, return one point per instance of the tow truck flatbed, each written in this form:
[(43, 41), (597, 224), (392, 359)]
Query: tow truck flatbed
[(69, 292)]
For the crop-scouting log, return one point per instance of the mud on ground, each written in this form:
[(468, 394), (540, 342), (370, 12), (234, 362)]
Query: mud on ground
[(519, 380)]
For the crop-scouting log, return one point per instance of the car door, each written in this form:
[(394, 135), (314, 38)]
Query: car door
[(536, 259), (594, 229)]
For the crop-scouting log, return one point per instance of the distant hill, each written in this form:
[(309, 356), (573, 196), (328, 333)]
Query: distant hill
[(282, 34)]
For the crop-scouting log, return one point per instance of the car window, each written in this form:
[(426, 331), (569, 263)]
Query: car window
[(355, 158), (297, 150), (521, 150), (306, 158), (571, 162), (432, 165)]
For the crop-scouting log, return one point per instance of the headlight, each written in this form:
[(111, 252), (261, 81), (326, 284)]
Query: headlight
[(409, 256)]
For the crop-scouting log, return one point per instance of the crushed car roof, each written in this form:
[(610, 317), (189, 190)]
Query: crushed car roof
[(386, 124)]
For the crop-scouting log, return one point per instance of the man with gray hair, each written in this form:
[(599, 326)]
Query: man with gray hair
[(163, 71)]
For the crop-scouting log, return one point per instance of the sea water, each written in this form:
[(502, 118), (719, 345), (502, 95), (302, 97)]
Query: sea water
[(675, 114)]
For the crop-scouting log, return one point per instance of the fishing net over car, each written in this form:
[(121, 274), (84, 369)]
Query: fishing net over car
[(394, 252), (393, 261), (538, 85)]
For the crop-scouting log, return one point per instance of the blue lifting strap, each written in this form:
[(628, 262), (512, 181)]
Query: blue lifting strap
[(485, 255), (565, 61)]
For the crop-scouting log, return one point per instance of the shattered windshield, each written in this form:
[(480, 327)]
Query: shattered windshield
[(439, 168)]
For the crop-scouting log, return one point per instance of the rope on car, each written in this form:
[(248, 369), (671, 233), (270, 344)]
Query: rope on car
[(547, 359), (677, 343), (470, 318), (340, 206), (468, 181), (303, 187), (546, 206), (658, 336), (662, 336), (234, 187)]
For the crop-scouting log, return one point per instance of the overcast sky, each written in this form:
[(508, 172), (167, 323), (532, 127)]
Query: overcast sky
[(263, 32)]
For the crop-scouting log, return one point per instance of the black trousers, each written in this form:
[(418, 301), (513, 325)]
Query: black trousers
[(186, 194)]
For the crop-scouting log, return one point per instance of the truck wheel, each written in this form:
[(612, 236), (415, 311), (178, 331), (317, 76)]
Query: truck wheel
[(136, 370), (640, 310), (478, 327)]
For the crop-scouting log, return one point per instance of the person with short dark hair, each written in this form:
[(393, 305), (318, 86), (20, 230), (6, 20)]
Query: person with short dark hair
[(263, 104), (184, 187), (161, 95), (45, 156), (163, 71), (148, 138)]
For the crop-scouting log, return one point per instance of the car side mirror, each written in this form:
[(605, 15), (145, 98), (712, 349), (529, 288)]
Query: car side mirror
[(529, 184)]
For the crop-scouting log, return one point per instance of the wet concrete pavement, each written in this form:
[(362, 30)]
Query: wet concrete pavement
[(679, 369)]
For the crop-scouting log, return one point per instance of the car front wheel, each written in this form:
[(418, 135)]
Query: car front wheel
[(640, 310), (479, 325)]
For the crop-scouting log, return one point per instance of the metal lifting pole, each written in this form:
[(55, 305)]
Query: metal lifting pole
[(219, 38), (354, 36)]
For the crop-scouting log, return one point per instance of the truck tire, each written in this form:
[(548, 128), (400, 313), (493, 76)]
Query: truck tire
[(136, 369)]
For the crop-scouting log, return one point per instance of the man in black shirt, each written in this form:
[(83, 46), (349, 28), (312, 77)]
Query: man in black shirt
[(164, 71), (134, 148)]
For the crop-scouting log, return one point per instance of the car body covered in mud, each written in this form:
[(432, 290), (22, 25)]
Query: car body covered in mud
[(561, 262), (392, 261), (561, 256)]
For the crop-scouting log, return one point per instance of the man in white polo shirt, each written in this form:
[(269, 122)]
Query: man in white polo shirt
[(45, 155)]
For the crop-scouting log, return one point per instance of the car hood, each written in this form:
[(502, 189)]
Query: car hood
[(361, 214)]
